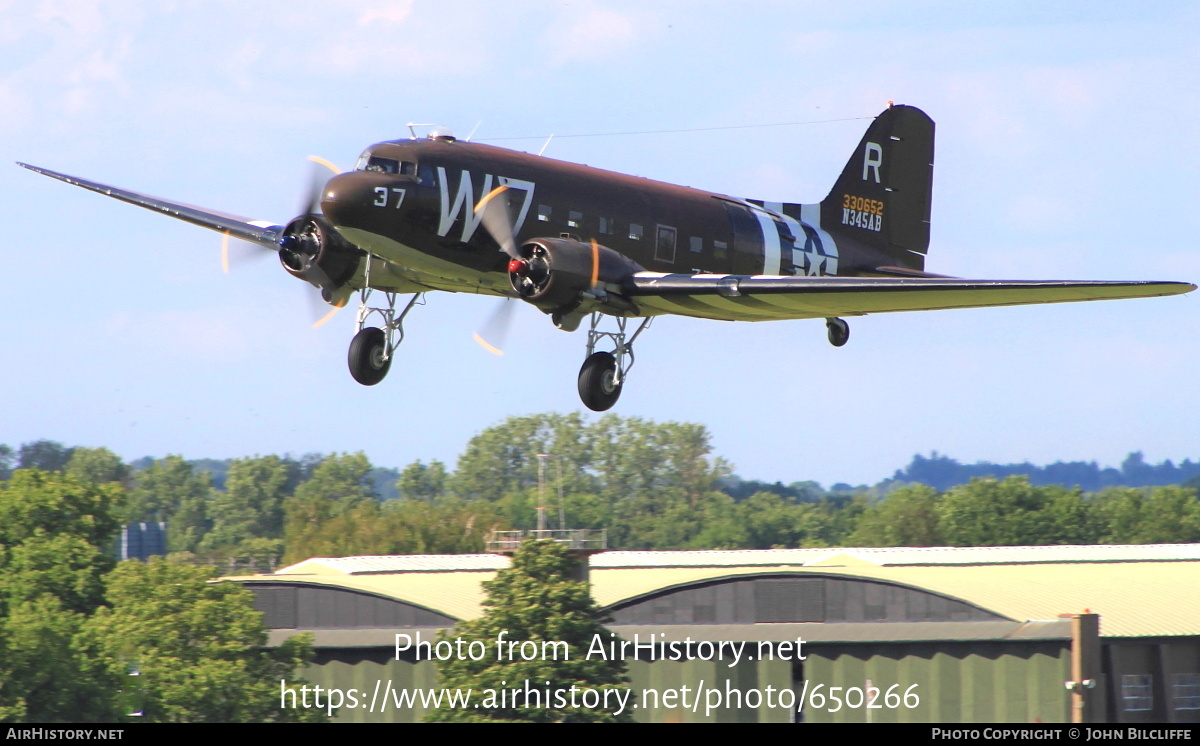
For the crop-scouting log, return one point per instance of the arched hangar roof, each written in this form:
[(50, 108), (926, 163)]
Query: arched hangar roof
[(1139, 591)]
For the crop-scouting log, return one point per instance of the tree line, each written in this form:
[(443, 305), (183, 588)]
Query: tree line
[(651, 485), (83, 639)]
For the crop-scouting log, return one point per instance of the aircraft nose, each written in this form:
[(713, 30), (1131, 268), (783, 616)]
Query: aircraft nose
[(341, 194)]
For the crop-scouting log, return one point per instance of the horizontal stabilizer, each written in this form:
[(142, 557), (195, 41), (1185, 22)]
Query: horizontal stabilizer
[(774, 297)]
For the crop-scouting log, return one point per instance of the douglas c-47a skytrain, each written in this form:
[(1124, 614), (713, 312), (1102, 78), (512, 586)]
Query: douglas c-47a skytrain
[(582, 244)]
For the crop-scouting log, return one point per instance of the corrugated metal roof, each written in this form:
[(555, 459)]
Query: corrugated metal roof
[(895, 556), (396, 564), (804, 557)]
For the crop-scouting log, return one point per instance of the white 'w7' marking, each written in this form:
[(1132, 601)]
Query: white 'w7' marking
[(465, 197)]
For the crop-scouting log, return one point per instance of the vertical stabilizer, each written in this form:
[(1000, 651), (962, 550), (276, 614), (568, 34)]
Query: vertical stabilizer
[(882, 198)]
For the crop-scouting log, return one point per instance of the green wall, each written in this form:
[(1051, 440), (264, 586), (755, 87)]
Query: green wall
[(1010, 682), (978, 682)]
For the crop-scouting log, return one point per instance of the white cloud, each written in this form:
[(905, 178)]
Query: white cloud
[(386, 12), (596, 34)]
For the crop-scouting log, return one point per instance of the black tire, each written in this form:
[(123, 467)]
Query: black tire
[(366, 358), (597, 382), (838, 330)]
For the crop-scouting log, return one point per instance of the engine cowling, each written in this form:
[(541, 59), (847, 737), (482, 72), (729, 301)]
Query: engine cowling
[(312, 249), (557, 274)]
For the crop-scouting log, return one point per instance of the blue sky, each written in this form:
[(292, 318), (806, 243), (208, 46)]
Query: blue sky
[(1066, 150)]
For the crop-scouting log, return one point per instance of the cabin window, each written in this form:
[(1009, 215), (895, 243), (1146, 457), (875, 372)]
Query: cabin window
[(574, 219), (544, 213), (606, 226), (426, 176), (635, 231), (696, 244), (664, 246), (719, 249), (408, 168)]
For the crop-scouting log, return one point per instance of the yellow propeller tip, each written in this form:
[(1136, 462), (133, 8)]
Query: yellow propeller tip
[(488, 198), (321, 321), (325, 163), (483, 343)]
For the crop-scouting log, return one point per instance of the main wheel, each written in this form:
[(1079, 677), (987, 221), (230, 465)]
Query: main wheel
[(838, 330), (598, 386), (368, 356)]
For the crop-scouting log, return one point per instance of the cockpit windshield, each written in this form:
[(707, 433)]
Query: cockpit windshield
[(370, 162)]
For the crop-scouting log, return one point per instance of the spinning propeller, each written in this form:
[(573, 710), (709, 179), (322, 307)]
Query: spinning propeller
[(300, 244), (529, 267)]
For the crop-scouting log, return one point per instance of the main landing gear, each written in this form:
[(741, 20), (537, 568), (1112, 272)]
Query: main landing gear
[(371, 349), (838, 330), (603, 373)]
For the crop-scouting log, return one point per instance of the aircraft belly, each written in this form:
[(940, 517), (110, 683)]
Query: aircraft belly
[(429, 270)]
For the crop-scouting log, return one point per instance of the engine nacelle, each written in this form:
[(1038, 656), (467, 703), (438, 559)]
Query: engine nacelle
[(557, 274), (313, 250)]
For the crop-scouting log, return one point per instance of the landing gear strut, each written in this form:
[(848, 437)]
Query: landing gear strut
[(603, 373), (371, 350), (838, 330)]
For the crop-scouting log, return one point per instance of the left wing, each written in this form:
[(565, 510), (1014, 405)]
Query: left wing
[(775, 297)]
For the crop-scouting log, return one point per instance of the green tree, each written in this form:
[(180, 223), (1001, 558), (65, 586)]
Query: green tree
[(167, 488), (420, 482), (98, 465), (908, 517), (535, 600), (1013, 512), (43, 455), (446, 527), (7, 457), (339, 486), (197, 646), (1162, 515), (37, 504), (503, 459), (171, 490), (55, 532), (251, 507)]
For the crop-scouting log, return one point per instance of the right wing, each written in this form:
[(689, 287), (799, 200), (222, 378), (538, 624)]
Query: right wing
[(777, 297), (258, 231)]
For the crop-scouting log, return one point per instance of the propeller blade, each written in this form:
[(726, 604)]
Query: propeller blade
[(595, 263), (312, 198), (332, 312), (325, 163), (495, 331), (240, 251), (493, 214)]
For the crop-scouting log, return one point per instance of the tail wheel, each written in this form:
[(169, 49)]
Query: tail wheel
[(838, 330), (598, 385), (369, 360)]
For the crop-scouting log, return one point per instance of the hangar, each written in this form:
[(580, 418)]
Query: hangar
[(973, 634)]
